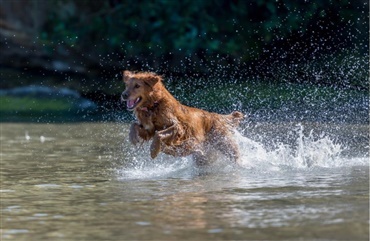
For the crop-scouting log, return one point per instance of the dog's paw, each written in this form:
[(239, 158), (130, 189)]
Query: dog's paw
[(155, 147)]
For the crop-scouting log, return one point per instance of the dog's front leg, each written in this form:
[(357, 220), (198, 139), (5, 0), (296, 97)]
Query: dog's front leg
[(134, 133), (162, 136), (137, 131)]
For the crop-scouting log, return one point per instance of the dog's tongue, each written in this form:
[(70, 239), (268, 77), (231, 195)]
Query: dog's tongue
[(130, 103)]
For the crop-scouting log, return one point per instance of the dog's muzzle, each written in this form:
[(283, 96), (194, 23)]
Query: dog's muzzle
[(124, 96)]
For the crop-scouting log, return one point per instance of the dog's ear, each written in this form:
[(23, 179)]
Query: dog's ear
[(126, 75), (152, 79)]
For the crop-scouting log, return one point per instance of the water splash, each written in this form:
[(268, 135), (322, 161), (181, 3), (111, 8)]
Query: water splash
[(139, 165), (304, 152)]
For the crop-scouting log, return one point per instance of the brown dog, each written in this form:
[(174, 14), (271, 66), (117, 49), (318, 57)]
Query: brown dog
[(176, 129)]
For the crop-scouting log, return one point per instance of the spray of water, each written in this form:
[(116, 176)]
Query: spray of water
[(305, 152)]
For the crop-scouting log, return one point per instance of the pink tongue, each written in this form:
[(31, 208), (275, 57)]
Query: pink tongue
[(130, 103)]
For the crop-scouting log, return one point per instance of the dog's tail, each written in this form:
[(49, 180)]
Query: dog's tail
[(235, 118)]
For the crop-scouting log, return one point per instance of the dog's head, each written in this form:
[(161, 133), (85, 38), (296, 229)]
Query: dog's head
[(139, 88)]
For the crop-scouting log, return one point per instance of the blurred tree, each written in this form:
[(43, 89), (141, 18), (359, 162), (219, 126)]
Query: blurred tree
[(239, 29), (165, 34)]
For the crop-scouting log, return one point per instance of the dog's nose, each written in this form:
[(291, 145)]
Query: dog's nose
[(124, 96)]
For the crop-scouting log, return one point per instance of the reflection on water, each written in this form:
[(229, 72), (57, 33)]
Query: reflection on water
[(83, 181)]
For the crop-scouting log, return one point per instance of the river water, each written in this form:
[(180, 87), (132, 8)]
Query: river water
[(84, 181)]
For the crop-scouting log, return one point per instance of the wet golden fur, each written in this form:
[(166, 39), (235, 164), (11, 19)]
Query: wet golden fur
[(175, 129)]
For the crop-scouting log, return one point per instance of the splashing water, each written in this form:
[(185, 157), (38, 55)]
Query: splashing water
[(163, 166), (305, 152)]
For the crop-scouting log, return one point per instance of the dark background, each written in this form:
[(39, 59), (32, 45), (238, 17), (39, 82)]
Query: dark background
[(83, 44)]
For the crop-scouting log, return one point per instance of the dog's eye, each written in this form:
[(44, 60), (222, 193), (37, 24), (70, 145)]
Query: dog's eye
[(137, 86)]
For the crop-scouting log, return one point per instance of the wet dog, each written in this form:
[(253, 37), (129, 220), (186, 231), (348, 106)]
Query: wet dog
[(175, 129)]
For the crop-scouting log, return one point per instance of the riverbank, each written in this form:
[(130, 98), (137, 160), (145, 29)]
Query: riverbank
[(260, 101)]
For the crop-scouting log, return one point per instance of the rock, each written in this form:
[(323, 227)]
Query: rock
[(43, 92)]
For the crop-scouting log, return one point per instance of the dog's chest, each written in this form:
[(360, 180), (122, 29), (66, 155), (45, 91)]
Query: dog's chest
[(146, 120), (151, 123), (149, 126)]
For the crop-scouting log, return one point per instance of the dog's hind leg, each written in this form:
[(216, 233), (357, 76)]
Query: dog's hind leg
[(200, 158), (228, 147)]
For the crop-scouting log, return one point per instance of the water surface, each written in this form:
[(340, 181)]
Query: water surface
[(83, 181)]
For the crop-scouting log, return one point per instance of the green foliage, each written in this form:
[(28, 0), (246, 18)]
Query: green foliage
[(175, 29), (33, 104), (39, 109)]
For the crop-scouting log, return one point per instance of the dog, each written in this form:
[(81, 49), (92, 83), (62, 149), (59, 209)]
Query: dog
[(176, 129)]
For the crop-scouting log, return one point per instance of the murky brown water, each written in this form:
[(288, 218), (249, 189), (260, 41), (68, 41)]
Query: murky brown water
[(84, 182)]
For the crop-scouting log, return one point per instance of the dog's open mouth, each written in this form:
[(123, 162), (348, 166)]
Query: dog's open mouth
[(131, 104)]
